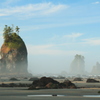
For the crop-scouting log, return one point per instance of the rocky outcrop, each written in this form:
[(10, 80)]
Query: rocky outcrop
[(33, 79), (78, 79), (13, 79), (14, 85), (49, 83), (13, 60), (13, 54), (92, 81)]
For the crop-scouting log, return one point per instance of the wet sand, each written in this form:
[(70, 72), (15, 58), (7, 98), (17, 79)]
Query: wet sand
[(8, 93)]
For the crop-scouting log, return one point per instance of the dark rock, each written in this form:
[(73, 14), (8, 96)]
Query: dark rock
[(4, 85), (14, 85), (78, 79), (33, 79), (52, 86), (69, 84), (13, 79), (98, 91), (49, 83), (91, 81)]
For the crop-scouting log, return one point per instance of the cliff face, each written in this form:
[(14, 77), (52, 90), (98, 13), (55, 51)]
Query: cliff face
[(13, 56)]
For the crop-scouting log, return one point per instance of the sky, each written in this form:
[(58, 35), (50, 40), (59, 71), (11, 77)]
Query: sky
[(54, 31)]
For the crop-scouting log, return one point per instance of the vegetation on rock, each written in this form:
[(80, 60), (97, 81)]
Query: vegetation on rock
[(11, 37), (13, 53)]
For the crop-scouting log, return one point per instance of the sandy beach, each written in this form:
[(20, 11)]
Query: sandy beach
[(85, 91)]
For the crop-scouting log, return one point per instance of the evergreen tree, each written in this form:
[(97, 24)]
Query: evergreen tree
[(17, 29), (9, 31)]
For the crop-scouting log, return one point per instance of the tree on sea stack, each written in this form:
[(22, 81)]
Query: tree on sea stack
[(17, 29), (9, 31), (13, 53)]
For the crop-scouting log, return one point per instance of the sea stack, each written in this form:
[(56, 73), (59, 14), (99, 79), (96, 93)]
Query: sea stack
[(78, 65), (13, 53)]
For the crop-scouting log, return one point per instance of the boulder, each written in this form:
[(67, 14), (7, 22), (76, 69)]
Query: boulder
[(33, 79), (13, 79), (49, 83), (78, 79), (92, 81), (69, 84)]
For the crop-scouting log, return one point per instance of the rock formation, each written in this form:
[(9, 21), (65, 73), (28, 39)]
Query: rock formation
[(49, 83), (13, 53), (92, 81), (78, 65), (78, 79), (96, 69)]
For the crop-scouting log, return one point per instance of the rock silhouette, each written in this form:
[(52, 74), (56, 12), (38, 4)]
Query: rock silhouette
[(78, 65), (96, 69), (49, 83), (91, 81), (77, 79)]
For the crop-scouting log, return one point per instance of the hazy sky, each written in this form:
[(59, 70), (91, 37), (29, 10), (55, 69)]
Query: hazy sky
[(55, 31)]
